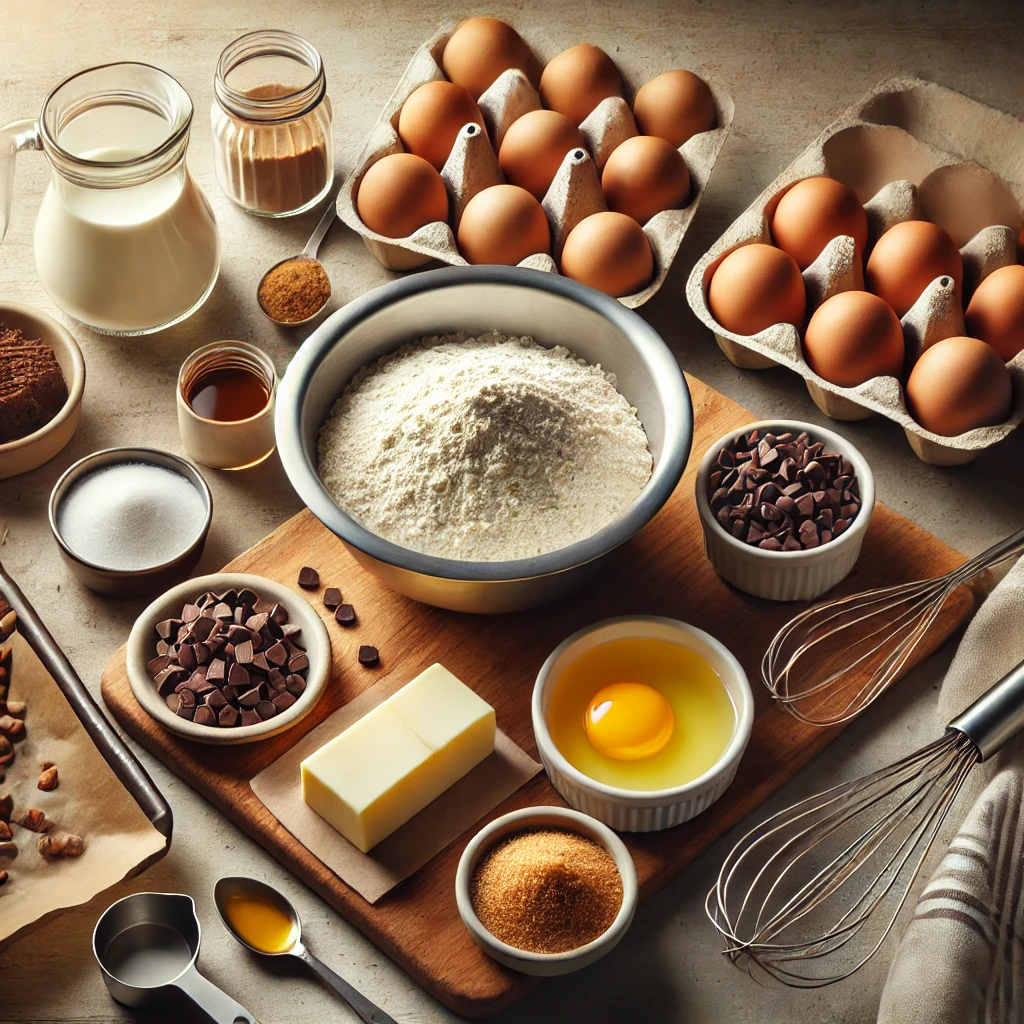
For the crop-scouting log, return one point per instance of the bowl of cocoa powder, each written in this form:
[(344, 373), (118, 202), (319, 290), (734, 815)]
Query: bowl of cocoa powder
[(40, 389)]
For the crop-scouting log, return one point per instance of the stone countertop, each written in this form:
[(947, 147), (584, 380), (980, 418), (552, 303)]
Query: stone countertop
[(791, 67)]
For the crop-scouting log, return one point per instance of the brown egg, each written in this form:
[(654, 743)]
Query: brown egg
[(907, 258), (643, 176), (399, 194), (996, 311), (812, 213), (481, 49), (432, 117), (577, 80), (756, 286), (503, 224), (959, 384), (852, 337), (533, 149), (675, 106), (610, 252)]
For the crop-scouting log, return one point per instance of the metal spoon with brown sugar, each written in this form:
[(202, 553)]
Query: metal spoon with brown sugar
[(296, 289)]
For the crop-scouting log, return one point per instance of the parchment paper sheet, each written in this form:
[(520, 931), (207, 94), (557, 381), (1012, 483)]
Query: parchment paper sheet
[(375, 873), (89, 802)]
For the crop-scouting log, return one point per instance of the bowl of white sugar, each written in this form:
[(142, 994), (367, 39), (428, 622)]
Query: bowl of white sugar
[(484, 438), (130, 521)]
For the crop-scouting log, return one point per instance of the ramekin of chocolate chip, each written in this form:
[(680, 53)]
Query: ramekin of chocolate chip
[(784, 506), (228, 658)]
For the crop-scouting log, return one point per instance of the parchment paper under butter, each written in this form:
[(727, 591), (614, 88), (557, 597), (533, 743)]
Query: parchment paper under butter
[(375, 873), (89, 802)]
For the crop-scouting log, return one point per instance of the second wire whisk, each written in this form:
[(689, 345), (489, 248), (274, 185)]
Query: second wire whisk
[(810, 894)]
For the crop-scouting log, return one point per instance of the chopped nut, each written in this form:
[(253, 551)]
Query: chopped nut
[(16, 708), (32, 819), (6, 751), (8, 622), (62, 845), (9, 849), (3, 877), (11, 727), (48, 779), (5, 832), (6, 806)]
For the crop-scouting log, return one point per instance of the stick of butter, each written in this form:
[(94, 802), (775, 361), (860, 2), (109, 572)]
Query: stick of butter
[(392, 762)]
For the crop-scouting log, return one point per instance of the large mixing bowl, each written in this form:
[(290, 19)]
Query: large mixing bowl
[(555, 311)]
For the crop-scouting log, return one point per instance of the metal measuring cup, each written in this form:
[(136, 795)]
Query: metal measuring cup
[(147, 944)]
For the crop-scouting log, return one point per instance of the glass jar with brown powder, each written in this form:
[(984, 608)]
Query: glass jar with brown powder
[(271, 118)]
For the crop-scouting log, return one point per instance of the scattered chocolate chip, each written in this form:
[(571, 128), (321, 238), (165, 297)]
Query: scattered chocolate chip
[(250, 717), (346, 615), (309, 578), (368, 656), (332, 598), (32, 819)]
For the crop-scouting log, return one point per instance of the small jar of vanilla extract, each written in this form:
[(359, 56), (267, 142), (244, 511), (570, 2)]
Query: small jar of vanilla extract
[(225, 399)]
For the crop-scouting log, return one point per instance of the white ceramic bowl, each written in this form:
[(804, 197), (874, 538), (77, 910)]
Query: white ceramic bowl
[(630, 810), (545, 964), (34, 449), (141, 648), (785, 575)]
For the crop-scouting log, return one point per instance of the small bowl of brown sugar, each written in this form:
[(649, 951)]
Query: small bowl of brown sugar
[(42, 378), (546, 890)]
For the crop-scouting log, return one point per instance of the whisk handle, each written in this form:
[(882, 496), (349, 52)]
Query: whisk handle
[(996, 716)]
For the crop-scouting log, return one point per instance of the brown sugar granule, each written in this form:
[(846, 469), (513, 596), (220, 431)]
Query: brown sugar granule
[(547, 891), (32, 387), (294, 290)]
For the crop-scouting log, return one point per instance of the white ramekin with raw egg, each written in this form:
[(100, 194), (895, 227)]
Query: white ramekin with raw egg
[(641, 721)]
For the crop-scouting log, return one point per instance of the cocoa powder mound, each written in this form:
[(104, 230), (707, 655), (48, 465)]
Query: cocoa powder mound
[(32, 386)]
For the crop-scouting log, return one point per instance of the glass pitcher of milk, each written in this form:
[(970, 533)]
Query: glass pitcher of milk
[(125, 240)]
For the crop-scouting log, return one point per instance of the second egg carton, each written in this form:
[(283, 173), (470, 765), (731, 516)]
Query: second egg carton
[(910, 149), (574, 194)]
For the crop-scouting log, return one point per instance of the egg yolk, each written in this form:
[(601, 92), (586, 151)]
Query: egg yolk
[(629, 721)]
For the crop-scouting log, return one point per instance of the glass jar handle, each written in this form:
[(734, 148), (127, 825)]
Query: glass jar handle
[(14, 137)]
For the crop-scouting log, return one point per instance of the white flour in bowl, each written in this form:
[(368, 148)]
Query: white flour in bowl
[(483, 449)]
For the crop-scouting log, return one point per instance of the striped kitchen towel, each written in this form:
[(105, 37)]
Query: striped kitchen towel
[(961, 960)]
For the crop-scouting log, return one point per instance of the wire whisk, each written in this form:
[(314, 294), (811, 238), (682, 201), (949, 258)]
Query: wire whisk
[(810, 895), (826, 665)]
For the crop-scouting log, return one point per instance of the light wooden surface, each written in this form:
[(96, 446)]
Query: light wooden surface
[(663, 571), (791, 66)]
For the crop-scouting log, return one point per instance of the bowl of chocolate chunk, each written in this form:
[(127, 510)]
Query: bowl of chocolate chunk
[(784, 506), (484, 438), (40, 389), (228, 658)]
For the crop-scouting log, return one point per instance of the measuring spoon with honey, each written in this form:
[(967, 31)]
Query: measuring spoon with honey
[(262, 919), (294, 290)]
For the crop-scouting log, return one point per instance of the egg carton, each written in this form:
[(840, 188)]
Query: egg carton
[(575, 192), (910, 149)]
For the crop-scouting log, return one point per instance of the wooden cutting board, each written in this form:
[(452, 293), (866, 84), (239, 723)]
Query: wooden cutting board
[(663, 571)]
